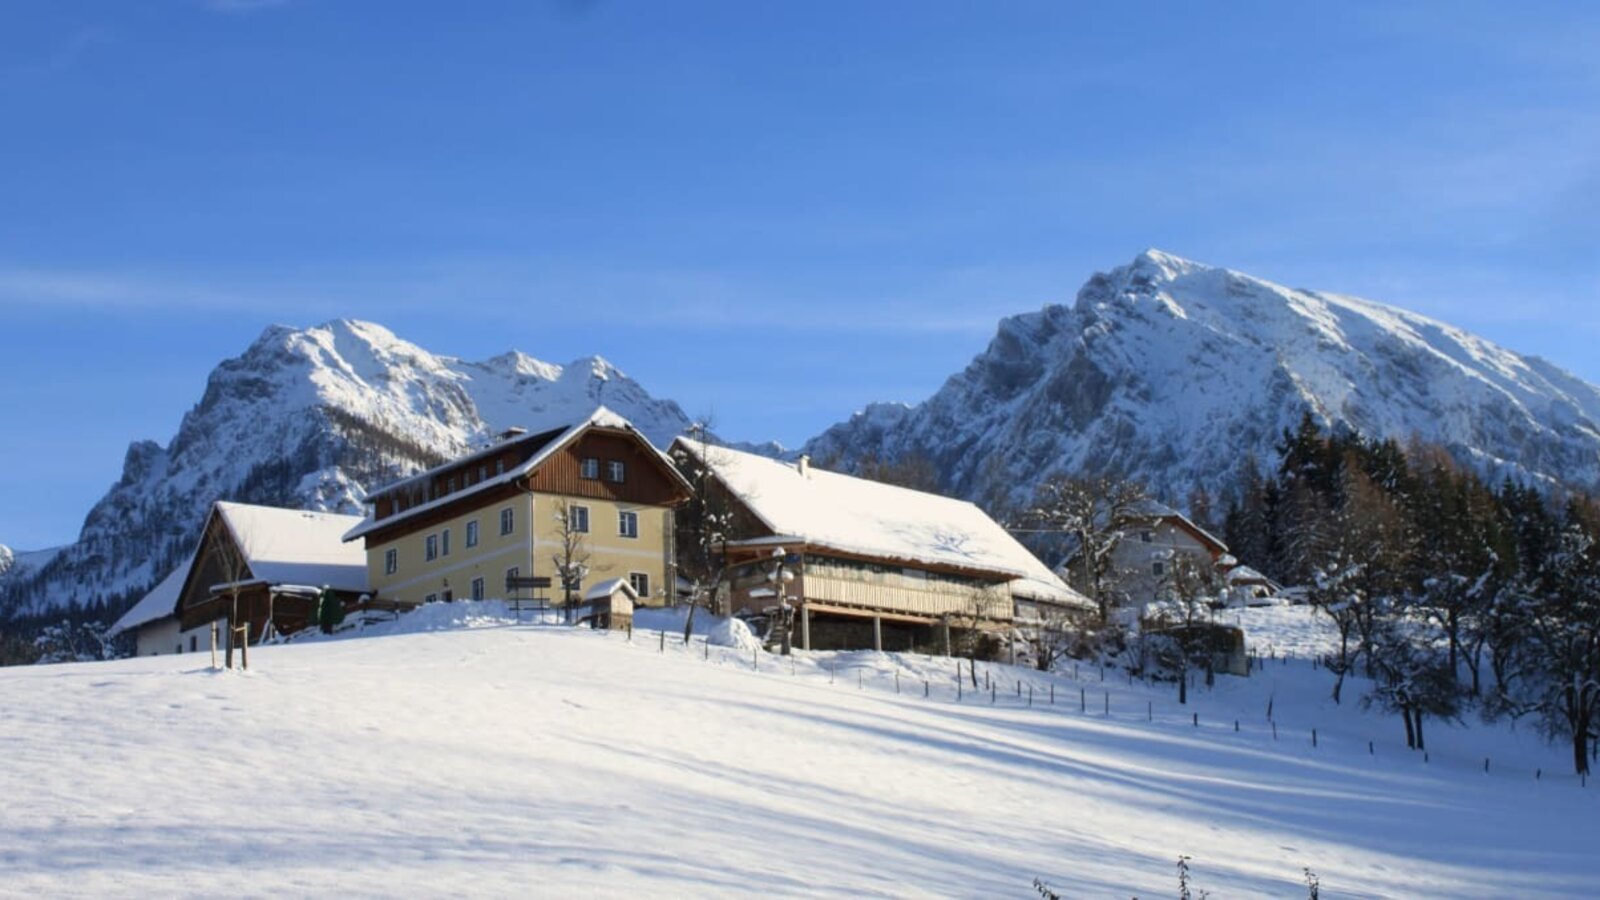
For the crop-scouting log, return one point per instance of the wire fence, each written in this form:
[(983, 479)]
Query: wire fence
[(1093, 690)]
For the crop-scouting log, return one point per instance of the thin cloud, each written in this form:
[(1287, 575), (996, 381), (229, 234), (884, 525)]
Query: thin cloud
[(242, 6), (686, 301)]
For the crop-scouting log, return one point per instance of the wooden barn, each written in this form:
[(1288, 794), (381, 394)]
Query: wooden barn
[(866, 564), (260, 567)]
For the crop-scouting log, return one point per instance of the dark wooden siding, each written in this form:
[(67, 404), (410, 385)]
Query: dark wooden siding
[(494, 496), (647, 479)]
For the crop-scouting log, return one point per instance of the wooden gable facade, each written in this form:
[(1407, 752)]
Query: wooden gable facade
[(221, 587)]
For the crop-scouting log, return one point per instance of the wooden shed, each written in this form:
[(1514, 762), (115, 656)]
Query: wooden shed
[(611, 604)]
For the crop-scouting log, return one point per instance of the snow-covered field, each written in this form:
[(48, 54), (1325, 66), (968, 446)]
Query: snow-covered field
[(464, 755)]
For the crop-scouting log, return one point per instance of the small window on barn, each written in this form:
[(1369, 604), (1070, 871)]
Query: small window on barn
[(1158, 569), (616, 470), (589, 468), (641, 583), (628, 524), (194, 642), (508, 521), (472, 533), (1146, 536), (477, 588), (430, 549), (391, 561)]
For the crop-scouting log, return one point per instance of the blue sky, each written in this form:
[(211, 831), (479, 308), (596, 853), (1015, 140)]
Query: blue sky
[(774, 211)]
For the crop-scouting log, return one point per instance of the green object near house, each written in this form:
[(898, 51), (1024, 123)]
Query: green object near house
[(330, 610)]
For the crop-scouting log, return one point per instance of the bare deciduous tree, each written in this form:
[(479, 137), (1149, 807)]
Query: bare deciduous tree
[(1093, 514), (704, 524), (572, 552)]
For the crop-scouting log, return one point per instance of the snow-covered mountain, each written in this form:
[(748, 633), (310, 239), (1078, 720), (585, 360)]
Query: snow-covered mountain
[(1174, 372), (8, 558), (311, 418)]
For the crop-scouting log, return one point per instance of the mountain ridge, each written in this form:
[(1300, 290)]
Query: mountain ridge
[(310, 417), (1173, 371)]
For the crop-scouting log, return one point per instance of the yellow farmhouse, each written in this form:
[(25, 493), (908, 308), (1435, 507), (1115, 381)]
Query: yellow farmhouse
[(594, 498)]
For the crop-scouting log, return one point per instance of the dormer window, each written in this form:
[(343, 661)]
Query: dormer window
[(589, 468), (1146, 536), (616, 470)]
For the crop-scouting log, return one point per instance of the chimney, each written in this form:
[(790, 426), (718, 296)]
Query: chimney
[(804, 465)]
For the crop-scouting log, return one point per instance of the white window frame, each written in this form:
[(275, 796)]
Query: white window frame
[(472, 533), (627, 523), (444, 542), (616, 471), (391, 561), (430, 548), (508, 521), (477, 588), (635, 579), (589, 468), (578, 518)]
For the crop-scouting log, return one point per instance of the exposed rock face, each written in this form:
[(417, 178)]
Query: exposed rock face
[(1174, 373), (309, 418)]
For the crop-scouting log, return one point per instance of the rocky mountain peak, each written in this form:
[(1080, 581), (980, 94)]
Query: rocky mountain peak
[(1176, 372), (313, 418)]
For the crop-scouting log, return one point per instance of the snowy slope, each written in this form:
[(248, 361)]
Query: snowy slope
[(311, 418), (486, 758), (1173, 372)]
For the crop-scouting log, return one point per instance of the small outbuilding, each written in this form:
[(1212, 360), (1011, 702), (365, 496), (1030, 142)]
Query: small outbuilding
[(611, 604)]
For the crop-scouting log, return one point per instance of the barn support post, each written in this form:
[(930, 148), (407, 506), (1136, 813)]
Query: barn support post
[(213, 643), (805, 626), (877, 633), (944, 634)]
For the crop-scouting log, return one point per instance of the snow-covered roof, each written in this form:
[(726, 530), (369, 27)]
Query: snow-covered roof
[(606, 588), (158, 604), (855, 515), (1155, 509), (1247, 575), (600, 418), (292, 546), (281, 547)]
